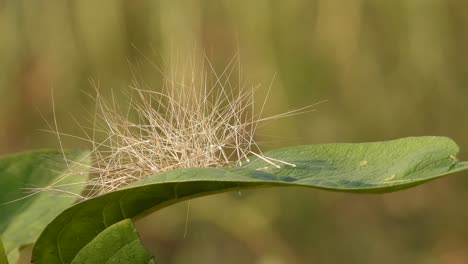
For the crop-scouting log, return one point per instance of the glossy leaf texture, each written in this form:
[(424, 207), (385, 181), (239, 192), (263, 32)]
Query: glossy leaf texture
[(24, 212), (118, 243), (362, 167)]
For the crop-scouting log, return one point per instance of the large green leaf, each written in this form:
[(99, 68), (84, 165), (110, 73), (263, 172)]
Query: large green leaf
[(367, 167), (117, 244), (3, 257), (23, 215)]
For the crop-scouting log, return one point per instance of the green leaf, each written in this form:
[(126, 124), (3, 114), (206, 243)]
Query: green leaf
[(23, 216), (118, 243), (367, 167), (3, 257)]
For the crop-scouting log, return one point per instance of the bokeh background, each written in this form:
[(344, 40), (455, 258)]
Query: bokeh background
[(388, 69)]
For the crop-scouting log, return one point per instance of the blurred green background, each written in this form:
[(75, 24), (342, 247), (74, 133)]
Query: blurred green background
[(389, 69)]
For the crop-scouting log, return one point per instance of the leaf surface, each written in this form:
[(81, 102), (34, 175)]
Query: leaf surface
[(118, 243), (23, 214), (363, 167)]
